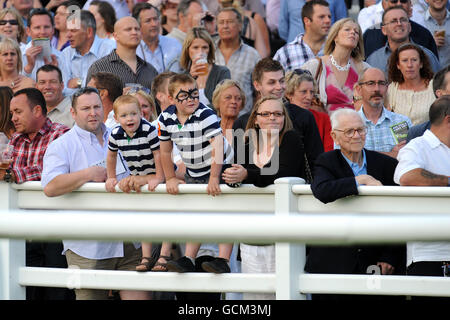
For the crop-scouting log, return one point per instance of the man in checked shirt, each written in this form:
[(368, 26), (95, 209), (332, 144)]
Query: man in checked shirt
[(34, 132)]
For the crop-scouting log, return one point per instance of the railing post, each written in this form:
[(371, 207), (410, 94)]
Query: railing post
[(12, 252), (289, 257)]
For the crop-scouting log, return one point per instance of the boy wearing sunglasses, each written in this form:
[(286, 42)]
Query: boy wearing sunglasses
[(196, 131)]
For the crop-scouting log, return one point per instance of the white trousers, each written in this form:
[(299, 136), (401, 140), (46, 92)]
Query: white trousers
[(258, 259)]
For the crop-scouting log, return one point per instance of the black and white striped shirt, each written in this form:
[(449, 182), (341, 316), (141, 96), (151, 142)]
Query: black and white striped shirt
[(137, 150), (145, 72), (193, 138)]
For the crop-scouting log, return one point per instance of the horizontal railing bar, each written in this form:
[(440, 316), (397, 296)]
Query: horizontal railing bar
[(183, 188), (233, 282), (374, 285), (317, 228), (149, 281), (394, 191)]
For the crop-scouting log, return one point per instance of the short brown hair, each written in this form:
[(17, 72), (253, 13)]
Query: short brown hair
[(179, 79), (265, 65)]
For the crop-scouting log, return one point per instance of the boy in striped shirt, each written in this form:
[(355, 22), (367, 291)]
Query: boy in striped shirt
[(138, 142), (196, 131)]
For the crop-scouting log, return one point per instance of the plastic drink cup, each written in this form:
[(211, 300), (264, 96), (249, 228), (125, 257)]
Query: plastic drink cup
[(202, 63)]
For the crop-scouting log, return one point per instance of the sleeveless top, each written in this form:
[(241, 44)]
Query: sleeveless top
[(338, 97)]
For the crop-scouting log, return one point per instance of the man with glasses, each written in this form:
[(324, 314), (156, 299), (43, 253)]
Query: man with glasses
[(424, 161), (374, 38), (233, 53), (338, 174), (41, 25), (372, 88), (316, 18), (68, 164), (397, 28)]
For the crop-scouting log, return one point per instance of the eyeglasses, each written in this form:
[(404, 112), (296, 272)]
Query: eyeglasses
[(349, 133), (397, 21), (184, 95), (11, 22), (381, 83), (267, 114)]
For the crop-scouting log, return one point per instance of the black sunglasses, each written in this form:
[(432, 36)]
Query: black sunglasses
[(11, 22)]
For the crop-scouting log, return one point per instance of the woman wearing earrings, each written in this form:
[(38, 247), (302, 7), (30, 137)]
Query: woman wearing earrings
[(340, 67)]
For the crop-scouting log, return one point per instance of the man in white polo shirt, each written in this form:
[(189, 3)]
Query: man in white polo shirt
[(424, 161), (75, 160)]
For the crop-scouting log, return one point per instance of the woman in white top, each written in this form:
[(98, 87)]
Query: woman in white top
[(411, 89)]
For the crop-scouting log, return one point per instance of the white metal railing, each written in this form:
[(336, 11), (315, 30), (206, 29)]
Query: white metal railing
[(285, 213)]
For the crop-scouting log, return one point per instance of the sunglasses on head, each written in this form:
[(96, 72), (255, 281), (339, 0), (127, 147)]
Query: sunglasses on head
[(299, 72), (11, 22)]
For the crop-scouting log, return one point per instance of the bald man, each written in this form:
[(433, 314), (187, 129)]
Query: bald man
[(123, 61)]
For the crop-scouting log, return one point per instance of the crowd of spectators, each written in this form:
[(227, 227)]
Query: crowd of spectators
[(140, 93)]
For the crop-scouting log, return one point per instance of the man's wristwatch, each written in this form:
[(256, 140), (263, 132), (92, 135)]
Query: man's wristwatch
[(79, 82), (8, 176)]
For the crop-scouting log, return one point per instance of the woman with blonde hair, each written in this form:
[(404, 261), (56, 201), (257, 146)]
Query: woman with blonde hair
[(147, 103), (11, 25), (273, 149), (301, 92), (342, 64), (228, 100), (11, 66), (197, 58)]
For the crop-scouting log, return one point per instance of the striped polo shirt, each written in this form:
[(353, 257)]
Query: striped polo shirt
[(137, 150), (193, 138)]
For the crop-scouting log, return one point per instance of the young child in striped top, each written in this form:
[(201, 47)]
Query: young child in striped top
[(195, 130), (138, 142)]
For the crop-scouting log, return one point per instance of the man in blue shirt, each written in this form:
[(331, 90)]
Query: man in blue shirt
[(372, 89), (154, 48), (396, 26), (85, 48), (290, 22)]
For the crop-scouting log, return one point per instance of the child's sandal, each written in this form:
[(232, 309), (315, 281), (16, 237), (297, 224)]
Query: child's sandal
[(146, 266), (161, 266)]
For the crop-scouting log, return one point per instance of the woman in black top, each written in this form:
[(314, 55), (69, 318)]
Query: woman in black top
[(272, 148)]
